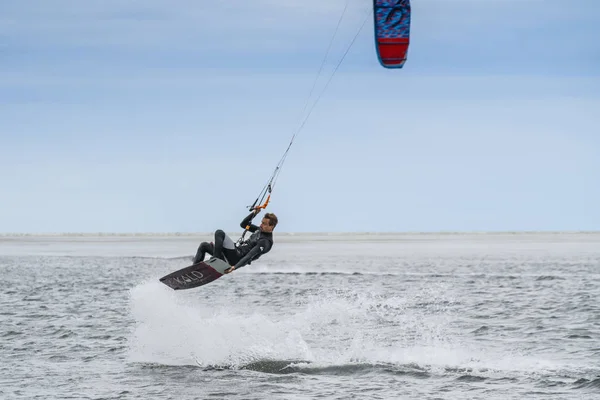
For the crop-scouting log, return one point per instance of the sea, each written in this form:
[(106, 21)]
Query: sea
[(492, 316)]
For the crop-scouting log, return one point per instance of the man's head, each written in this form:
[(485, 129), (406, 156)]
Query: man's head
[(268, 222)]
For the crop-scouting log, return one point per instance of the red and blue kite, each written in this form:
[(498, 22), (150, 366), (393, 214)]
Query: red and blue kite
[(392, 31)]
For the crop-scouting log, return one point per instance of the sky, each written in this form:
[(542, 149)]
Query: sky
[(170, 116)]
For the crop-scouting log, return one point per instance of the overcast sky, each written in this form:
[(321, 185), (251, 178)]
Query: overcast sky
[(170, 116)]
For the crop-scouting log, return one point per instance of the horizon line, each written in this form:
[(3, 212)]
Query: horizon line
[(315, 233)]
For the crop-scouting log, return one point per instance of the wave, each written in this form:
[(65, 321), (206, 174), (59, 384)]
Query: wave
[(417, 371), (332, 333)]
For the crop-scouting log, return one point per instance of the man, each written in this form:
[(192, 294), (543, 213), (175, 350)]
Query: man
[(259, 243)]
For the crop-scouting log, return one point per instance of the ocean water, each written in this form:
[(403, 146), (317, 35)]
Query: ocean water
[(406, 316)]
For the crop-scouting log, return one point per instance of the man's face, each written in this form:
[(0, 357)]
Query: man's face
[(264, 225)]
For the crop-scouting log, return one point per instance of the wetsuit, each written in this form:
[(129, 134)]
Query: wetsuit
[(256, 245), (243, 254)]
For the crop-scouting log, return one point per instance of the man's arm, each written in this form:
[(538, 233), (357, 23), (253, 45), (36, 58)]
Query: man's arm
[(247, 222), (261, 247)]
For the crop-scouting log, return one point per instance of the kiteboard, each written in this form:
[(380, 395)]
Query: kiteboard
[(196, 275)]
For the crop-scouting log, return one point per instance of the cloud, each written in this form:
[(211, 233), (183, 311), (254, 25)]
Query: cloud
[(121, 38), (183, 25), (498, 153), (121, 115)]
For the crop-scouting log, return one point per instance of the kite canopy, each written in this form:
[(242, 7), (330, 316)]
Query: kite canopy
[(392, 31)]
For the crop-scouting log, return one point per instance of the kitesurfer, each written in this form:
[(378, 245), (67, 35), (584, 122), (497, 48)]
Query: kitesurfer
[(239, 255)]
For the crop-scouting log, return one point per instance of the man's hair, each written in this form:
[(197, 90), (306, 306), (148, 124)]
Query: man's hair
[(272, 219)]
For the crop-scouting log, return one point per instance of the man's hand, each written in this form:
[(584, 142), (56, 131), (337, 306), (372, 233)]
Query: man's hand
[(228, 270)]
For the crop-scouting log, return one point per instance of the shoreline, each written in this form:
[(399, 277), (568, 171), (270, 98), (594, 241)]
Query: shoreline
[(169, 245), (294, 234)]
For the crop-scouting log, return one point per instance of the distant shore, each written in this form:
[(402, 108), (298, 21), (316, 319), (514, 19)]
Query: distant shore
[(292, 234), (298, 237), (184, 244)]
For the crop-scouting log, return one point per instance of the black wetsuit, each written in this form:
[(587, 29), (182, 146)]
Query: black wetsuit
[(256, 245), (240, 255)]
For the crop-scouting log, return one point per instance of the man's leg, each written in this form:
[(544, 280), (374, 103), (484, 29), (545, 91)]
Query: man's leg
[(225, 248), (204, 248)]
